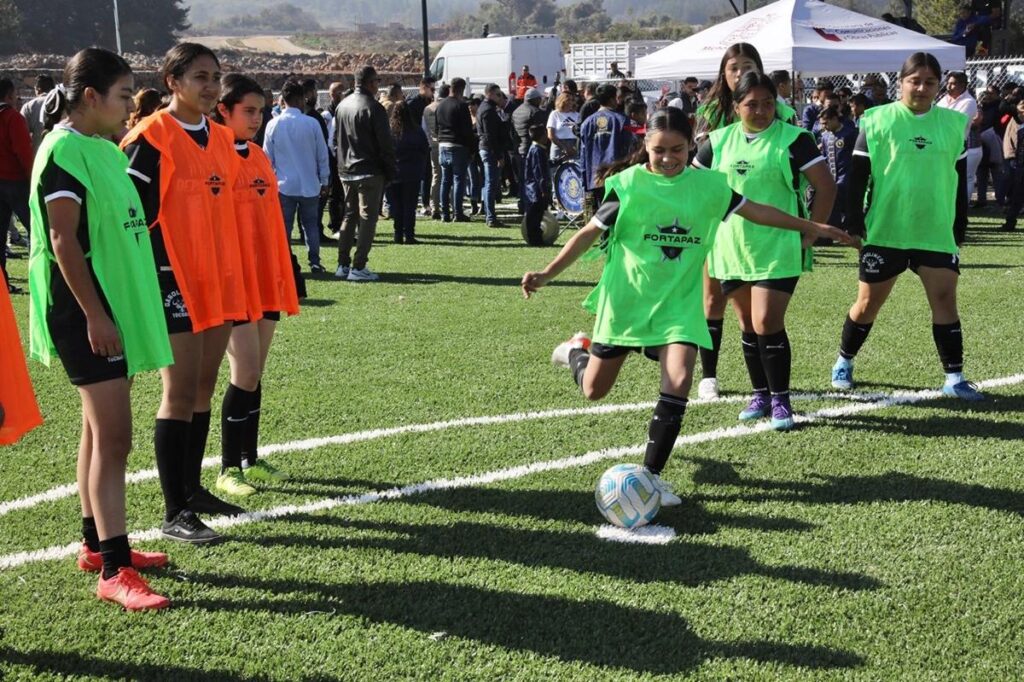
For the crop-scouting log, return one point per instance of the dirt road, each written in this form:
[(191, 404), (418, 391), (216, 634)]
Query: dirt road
[(264, 44)]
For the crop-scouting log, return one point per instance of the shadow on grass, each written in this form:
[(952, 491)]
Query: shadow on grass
[(318, 302), (594, 632), (680, 562), (889, 487), (66, 664), (437, 278)]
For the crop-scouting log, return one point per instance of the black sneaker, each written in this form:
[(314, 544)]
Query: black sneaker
[(496, 223), (204, 502), (317, 269), (1008, 227), (187, 527), (461, 219)]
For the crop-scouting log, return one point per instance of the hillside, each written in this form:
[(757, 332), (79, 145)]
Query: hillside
[(345, 13)]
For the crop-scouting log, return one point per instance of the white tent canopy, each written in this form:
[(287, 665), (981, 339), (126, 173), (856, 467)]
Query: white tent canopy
[(804, 36)]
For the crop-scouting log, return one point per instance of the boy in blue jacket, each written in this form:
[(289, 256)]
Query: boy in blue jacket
[(536, 184)]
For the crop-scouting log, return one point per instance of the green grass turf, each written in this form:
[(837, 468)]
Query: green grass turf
[(884, 545)]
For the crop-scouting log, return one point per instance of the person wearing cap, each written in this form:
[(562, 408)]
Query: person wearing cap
[(526, 115), (613, 71), (525, 81)]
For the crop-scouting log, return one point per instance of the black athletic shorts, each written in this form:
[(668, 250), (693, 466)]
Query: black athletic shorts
[(609, 352), (70, 336), (272, 315), (175, 310), (881, 263), (784, 284)]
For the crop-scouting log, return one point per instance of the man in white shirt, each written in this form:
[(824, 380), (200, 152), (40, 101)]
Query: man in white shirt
[(959, 99)]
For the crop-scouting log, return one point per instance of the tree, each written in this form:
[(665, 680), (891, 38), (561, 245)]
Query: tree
[(584, 18), (937, 16), (10, 23)]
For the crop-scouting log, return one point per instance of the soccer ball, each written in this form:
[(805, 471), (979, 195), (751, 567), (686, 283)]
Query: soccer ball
[(627, 496)]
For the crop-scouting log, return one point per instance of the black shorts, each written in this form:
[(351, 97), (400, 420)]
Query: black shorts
[(882, 263), (272, 315), (175, 311), (605, 351), (784, 284)]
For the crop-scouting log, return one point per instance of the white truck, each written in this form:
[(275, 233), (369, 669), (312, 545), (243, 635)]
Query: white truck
[(593, 60), (499, 59)]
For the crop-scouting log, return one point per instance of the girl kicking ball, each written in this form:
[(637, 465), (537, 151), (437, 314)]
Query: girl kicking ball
[(910, 223), (96, 303), (267, 261), (660, 218)]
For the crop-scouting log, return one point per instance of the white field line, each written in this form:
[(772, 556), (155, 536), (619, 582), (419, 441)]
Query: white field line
[(900, 398), (71, 489), (644, 535)]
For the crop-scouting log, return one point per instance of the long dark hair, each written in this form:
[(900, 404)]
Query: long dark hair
[(233, 89), (92, 67), (720, 97), (180, 57), (919, 59), (147, 101), (670, 119), (400, 119)]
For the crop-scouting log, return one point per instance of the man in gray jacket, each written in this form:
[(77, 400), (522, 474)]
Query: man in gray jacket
[(366, 164)]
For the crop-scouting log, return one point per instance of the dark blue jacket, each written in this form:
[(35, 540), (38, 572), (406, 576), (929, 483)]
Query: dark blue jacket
[(411, 152), (603, 140), (837, 148), (537, 175)]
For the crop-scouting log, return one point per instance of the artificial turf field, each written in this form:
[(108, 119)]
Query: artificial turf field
[(883, 539)]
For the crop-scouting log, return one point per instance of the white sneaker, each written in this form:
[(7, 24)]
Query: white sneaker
[(560, 356), (668, 495), (707, 389), (364, 275), (342, 271)]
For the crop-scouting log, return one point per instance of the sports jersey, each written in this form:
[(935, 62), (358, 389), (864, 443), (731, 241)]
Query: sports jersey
[(117, 250), (765, 168), (20, 413), (603, 140), (266, 256), (659, 232), (196, 216), (906, 213), (837, 148)]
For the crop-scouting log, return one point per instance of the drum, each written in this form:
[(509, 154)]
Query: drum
[(569, 189), (549, 229)]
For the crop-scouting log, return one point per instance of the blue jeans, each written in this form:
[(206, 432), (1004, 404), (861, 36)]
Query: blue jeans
[(492, 183), (454, 161), (308, 209)]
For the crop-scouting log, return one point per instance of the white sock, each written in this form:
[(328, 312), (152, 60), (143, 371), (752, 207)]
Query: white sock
[(953, 378)]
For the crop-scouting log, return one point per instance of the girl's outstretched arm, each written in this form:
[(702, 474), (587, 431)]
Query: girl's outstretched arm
[(573, 249), (770, 216)]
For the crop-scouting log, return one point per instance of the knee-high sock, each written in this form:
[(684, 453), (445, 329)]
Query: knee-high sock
[(234, 417), (197, 436), (578, 359), (709, 356), (170, 440), (777, 359), (754, 362), (949, 341), (252, 427), (854, 336), (663, 430)]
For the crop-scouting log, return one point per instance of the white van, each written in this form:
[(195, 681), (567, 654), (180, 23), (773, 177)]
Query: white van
[(499, 59)]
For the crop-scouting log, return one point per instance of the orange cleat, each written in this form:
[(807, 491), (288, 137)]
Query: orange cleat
[(92, 562), (130, 590)]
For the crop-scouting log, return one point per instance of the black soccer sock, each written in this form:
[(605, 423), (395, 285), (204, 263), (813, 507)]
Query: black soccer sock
[(89, 535), (197, 435), (662, 433), (754, 362), (854, 336), (234, 415), (252, 427), (777, 359), (709, 356), (578, 359), (170, 440), (116, 555), (949, 341)]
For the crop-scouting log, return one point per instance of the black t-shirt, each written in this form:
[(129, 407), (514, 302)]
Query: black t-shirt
[(608, 212), (144, 170), (803, 154)]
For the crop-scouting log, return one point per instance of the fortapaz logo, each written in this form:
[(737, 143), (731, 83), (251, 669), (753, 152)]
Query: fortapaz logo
[(672, 239), (742, 167), (260, 185), (136, 224), (920, 142), (216, 184)]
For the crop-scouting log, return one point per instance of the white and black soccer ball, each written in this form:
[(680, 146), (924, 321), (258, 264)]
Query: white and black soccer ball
[(627, 496)]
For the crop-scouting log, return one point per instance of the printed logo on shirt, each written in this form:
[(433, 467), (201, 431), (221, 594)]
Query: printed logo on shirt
[(260, 185), (840, 143), (672, 240), (921, 142), (872, 262), (135, 224), (215, 183), (742, 167), (176, 305)]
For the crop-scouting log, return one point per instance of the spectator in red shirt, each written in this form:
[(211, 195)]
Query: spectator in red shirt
[(15, 166), (525, 81)]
